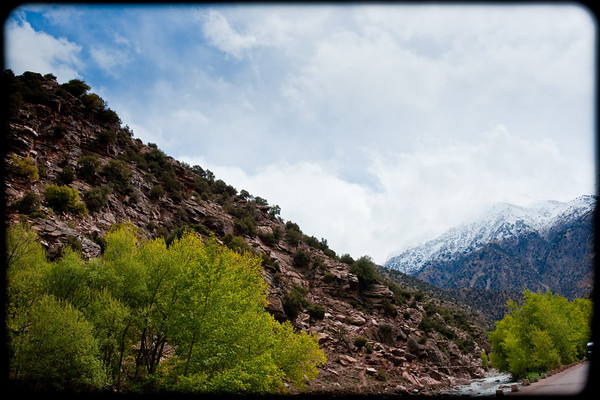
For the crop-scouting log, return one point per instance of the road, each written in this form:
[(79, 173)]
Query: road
[(569, 382)]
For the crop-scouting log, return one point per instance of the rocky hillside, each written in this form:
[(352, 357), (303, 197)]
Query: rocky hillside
[(380, 336), (490, 303)]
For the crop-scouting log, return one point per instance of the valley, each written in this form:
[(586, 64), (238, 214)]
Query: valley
[(393, 329)]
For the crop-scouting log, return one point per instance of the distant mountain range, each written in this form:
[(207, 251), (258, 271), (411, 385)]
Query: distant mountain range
[(548, 245)]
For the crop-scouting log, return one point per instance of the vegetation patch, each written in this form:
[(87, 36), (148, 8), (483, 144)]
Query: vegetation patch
[(147, 317), (64, 198), (546, 331)]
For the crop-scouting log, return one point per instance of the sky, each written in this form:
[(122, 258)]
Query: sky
[(374, 126)]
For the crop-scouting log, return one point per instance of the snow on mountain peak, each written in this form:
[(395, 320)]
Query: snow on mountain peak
[(498, 222)]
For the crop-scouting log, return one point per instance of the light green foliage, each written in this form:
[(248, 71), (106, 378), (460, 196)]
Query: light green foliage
[(27, 264), (545, 332), (25, 167), (66, 279), (120, 313), (64, 198), (485, 360), (58, 349)]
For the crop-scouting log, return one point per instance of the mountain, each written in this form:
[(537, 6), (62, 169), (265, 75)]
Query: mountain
[(492, 304), (548, 245), (60, 134)]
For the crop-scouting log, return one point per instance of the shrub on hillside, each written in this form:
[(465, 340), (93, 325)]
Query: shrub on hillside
[(272, 238), (360, 341), (106, 137), (220, 187), (76, 87), (28, 204), (87, 167), (387, 333), (293, 234), (57, 131), (97, 197), (245, 226), (236, 243), (25, 167), (301, 259), (293, 302), (63, 198), (316, 311), (388, 308), (156, 192), (155, 159), (66, 175), (347, 259), (116, 173), (364, 269)]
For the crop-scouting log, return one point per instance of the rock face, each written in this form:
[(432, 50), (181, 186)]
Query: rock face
[(374, 337)]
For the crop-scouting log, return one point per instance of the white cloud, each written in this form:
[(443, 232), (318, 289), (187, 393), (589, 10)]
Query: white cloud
[(374, 127), (109, 58), (29, 50), (225, 38), (421, 194)]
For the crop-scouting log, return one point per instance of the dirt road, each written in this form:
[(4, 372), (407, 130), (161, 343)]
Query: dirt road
[(569, 382)]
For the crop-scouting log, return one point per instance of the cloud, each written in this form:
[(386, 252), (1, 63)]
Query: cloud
[(44, 53), (420, 194), (374, 127), (225, 38), (110, 59), (304, 83)]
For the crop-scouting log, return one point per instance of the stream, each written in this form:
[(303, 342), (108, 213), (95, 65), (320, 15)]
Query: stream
[(482, 387)]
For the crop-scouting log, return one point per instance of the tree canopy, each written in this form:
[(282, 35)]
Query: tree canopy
[(187, 317), (545, 332)]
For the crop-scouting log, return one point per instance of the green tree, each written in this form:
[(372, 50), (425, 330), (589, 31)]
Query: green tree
[(364, 269), (543, 333), (76, 87), (26, 265), (544, 355), (58, 349), (226, 340), (116, 316), (485, 361), (66, 279), (111, 320)]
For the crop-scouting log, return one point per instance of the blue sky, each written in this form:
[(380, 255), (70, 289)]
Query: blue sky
[(376, 127)]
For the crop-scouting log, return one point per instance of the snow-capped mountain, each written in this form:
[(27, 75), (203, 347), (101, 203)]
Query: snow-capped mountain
[(501, 222)]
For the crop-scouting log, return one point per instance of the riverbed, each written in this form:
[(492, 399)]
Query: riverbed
[(481, 387)]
